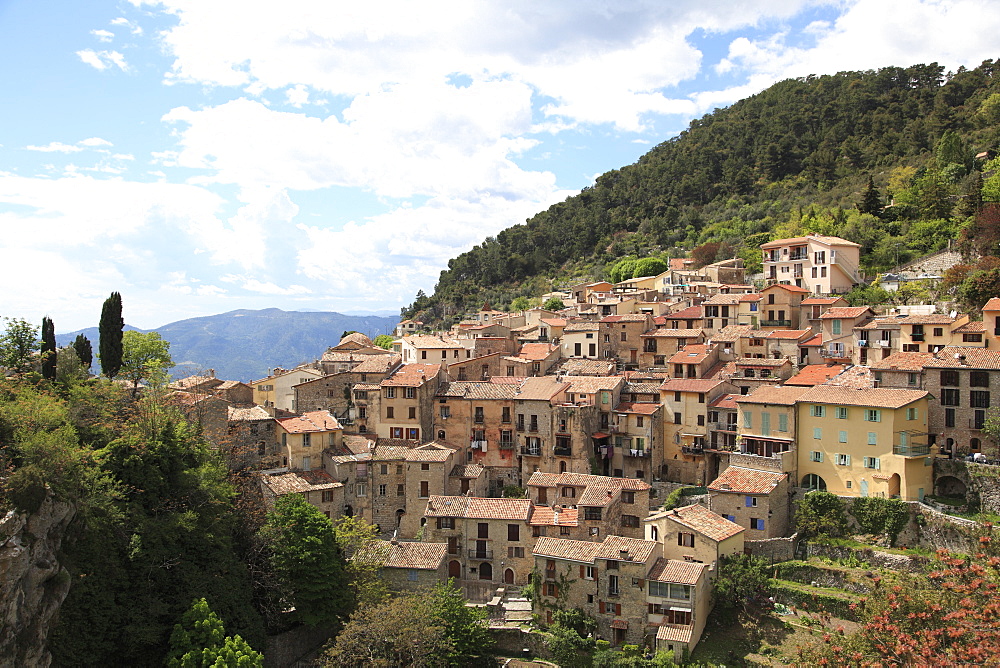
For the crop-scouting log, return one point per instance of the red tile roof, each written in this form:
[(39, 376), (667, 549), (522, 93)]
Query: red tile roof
[(310, 422), (845, 312), (474, 507), (546, 516), (412, 375), (404, 554), (674, 633), (564, 548), (739, 480), (637, 408), (788, 333), (992, 305), (535, 352), (773, 395), (689, 384), (789, 288), (674, 570), (701, 519), (820, 301), (622, 548), (877, 397), (814, 374), (902, 362), (689, 313)]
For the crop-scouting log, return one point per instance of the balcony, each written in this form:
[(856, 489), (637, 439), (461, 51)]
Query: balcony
[(637, 453), (862, 343), (531, 451), (775, 323), (833, 353), (884, 343), (482, 555), (562, 451), (690, 450), (914, 450), (797, 256), (917, 338), (477, 445), (506, 445)]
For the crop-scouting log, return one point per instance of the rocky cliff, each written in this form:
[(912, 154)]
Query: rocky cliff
[(33, 584)]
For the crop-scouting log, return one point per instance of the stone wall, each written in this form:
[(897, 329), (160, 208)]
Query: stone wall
[(33, 584), (772, 549), (877, 558), (298, 644), (512, 641), (982, 481)]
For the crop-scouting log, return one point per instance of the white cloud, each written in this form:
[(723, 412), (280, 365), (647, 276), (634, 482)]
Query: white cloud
[(102, 60), (297, 96), (95, 141), (55, 147), (103, 35)]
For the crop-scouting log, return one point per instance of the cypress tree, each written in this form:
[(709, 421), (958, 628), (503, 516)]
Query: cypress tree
[(84, 351), (111, 335), (48, 349), (872, 201)]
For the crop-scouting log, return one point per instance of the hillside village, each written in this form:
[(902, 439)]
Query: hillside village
[(534, 450)]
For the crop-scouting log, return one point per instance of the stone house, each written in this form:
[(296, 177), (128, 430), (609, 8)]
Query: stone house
[(540, 447), (532, 359), (557, 522), (407, 402), (659, 344), (252, 438), (334, 392), (696, 534), (583, 339), (679, 600), (622, 336), (605, 505), (685, 426), (636, 448), (811, 308), (365, 408), (964, 380), (197, 384), (478, 368), (692, 317), (467, 479), (929, 333), (304, 437), (749, 373), (427, 349), (407, 566), (755, 499), (623, 565), (277, 389), (352, 470), (316, 487), (693, 361), (902, 370), (876, 339), (780, 306), (489, 540), (787, 344)]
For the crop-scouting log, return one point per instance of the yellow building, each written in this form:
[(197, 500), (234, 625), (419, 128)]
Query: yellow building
[(870, 442)]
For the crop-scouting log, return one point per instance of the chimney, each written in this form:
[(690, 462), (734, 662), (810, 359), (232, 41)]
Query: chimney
[(623, 554)]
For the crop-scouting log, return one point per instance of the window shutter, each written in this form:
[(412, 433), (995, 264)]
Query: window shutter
[(582, 573), (618, 608), (651, 608), (642, 583), (439, 523), (600, 607), (594, 571), (748, 501), (680, 539)]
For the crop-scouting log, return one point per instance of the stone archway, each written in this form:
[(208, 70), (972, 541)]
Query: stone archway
[(486, 571), (812, 482), (949, 485), (508, 576)]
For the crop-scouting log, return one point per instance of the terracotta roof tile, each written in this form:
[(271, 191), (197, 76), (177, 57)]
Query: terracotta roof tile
[(297, 482), (664, 333), (902, 362), (773, 395), (690, 384), (404, 554), (972, 358), (467, 471), (692, 354), (992, 305), (746, 481), (313, 421), (845, 312), (877, 397), (725, 401), (564, 548), (477, 390), (585, 367), (474, 507), (676, 571), (592, 384), (638, 408), (638, 550), (412, 375), (970, 327), (541, 479), (430, 342), (674, 633), (787, 288), (535, 352), (789, 334), (820, 301), (689, 313), (701, 519), (249, 414), (541, 388), (546, 516), (928, 319), (429, 453)]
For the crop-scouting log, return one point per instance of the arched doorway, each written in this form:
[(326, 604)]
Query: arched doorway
[(348, 511), (562, 467), (399, 516), (508, 576), (975, 445), (949, 485), (813, 482), (894, 485), (455, 569), (486, 571)]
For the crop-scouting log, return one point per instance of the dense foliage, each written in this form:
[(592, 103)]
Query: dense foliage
[(794, 158), (110, 328), (200, 641), (820, 514), (742, 579)]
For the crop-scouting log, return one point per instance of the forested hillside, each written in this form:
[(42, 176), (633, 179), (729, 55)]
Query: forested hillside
[(795, 158)]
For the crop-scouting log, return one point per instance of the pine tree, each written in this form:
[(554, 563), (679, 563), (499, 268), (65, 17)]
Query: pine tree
[(84, 351), (48, 349), (111, 335), (872, 201)]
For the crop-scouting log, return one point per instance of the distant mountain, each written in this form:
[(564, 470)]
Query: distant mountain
[(244, 345)]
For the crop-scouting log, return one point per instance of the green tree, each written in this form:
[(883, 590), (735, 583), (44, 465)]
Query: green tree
[(307, 561), (110, 329), (553, 304), (358, 542), (84, 351), (871, 202), (143, 355), (952, 150), (649, 266), (48, 349), (384, 341), (464, 626), (820, 514), (200, 640), (403, 631), (741, 579), (521, 303), (18, 345)]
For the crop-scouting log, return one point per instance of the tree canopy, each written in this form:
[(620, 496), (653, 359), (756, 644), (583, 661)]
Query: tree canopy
[(143, 354), (110, 328), (18, 344)]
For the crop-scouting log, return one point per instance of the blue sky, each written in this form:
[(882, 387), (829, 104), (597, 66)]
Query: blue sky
[(201, 156)]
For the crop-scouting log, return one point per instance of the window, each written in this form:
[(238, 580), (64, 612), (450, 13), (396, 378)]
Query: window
[(412, 413), (818, 433), (400, 490), (817, 411), (445, 412), (913, 413), (327, 496), (701, 420), (677, 418), (872, 463), (756, 524), (425, 466), (815, 456), (911, 347), (413, 434), (978, 419), (384, 469), (638, 422), (612, 565), (685, 539), (513, 532), (950, 397), (382, 490), (389, 412), (630, 521), (569, 491), (782, 422), (873, 415), (399, 469), (424, 489), (835, 327), (390, 393), (360, 489), (843, 460), (949, 377), (949, 417), (515, 552), (979, 399), (972, 338), (938, 331), (593, 514), (613, 586), (589, 573), (750, 501), (979, 379), (306, 440), (841, 412), (505, 414), (483, 530), (410, 392), (595, 531), (872, 438), (396, 432), (747, 420)]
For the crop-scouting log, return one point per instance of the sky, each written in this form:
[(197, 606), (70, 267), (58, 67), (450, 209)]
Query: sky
[(201, 156)]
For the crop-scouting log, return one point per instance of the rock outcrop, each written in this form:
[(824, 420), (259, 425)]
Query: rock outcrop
[(33, 584)]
